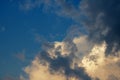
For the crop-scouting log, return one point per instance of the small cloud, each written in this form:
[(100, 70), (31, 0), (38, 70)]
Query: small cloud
[(20, 55)]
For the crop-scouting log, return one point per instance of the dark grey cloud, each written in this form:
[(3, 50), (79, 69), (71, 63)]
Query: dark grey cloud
[(103, 21), (62, 63)]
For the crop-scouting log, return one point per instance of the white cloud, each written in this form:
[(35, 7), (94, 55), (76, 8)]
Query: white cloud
[(37, 71), (98, 65), (83, 45), (92, 57)]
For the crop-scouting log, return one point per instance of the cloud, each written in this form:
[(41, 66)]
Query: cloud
[(99, 66), (83, 45), (100, 18), (102, 21), (20, 55), (37, 71), (56, 61), (31, 4), (60, 7), (90, 55), (67, 61)]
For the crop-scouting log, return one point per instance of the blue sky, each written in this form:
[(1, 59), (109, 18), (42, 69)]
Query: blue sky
[(18, 30)]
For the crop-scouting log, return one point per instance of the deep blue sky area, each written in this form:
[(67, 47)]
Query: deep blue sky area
[(18, 29)]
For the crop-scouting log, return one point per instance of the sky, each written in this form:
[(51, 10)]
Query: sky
[(59, 40)]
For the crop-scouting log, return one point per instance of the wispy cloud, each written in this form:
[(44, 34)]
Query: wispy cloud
[(20, 55), (59, 7), (31, 4)]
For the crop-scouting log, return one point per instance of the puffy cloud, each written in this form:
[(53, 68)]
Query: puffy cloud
[(99, 66), (83, 45), (57, 62), (62, 48), (67, 61), (37, 71)]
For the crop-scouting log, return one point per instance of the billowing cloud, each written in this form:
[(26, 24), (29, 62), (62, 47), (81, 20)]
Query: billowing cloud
[(93, 56), (83, 45), (37, 71), (99, 66), (63, 61), (57, 60)]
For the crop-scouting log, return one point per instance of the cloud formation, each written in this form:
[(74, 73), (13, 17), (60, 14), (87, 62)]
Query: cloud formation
[(103, 22), (37, 71), (99, 66), (92, 56), (58, 61)]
